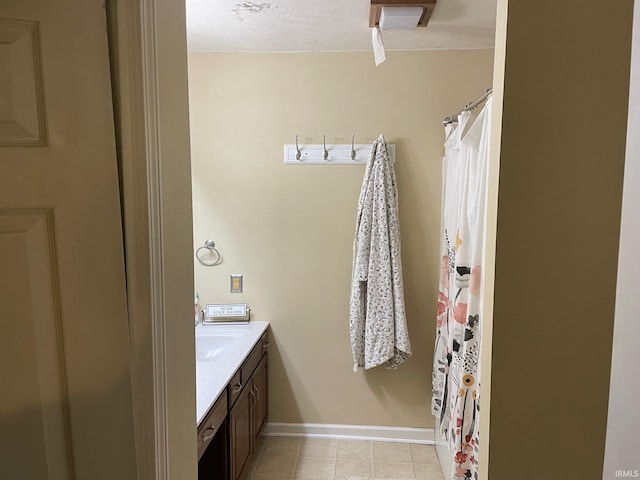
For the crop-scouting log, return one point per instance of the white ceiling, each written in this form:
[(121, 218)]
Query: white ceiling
[(329, 25)]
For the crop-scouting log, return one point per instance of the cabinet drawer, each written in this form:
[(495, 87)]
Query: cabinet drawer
[(211, 423), (235, 388), (254, 357)]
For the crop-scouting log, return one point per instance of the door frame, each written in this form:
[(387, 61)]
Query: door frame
[(147, 42), (151, 79)]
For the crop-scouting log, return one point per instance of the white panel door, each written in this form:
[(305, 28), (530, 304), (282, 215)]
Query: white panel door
[(65, 388)]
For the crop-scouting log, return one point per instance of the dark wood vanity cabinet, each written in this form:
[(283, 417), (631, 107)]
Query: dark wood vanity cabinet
[(248, 415), (240, 423), (236, 437), (261, 405), (213, 450)]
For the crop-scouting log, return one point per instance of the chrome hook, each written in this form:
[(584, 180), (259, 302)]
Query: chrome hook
[(324, 145), (298, 152), (353, 147)]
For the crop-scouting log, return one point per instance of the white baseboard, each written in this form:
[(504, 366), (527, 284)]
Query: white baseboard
[(351, 432)]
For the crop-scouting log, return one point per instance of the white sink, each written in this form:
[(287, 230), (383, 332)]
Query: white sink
[(215, 342), (220, 350)]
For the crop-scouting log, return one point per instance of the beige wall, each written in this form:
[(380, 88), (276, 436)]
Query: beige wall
[(558, 220), (289, 229)]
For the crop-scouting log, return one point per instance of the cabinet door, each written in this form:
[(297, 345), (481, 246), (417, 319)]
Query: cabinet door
[(214, 462), (240, 431), (260, 388)]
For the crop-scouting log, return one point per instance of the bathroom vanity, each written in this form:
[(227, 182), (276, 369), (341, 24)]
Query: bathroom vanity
[(231, 391)]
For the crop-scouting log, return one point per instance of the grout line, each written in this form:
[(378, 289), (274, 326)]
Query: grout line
[(295, 465)]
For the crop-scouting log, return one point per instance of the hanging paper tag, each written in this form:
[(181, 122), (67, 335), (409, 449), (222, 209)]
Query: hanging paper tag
[(378, 45)]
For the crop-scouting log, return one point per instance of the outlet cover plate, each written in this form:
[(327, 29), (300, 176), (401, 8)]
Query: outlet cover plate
[(236, 283)]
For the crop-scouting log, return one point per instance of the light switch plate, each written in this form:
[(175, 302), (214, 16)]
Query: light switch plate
[(236, 283)]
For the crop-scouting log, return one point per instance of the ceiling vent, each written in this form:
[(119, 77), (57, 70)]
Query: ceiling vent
[(400, 14)]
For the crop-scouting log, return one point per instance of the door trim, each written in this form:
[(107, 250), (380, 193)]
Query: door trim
[(152, 153), (156, 246)]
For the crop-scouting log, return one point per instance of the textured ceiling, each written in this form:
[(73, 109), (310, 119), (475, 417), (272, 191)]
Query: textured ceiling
[(329, 25)]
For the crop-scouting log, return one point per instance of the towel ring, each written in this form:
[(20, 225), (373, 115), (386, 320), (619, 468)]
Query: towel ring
[(210, 246)]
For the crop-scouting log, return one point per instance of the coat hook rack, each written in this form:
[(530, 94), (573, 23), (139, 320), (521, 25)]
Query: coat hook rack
[(331, 154)]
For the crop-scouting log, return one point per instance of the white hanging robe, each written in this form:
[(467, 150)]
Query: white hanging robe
[(378, 323)]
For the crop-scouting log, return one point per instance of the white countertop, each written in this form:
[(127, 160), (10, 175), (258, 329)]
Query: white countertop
[(214, 373)]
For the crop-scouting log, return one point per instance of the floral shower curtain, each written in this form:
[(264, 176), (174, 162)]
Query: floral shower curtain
[(456, 364)]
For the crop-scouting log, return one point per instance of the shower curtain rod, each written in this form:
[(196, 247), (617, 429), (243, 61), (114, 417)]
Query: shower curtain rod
[(470, 106)]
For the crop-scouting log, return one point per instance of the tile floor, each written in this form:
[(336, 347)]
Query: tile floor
[(280, 458)]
